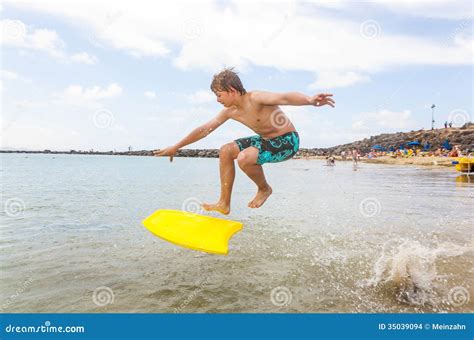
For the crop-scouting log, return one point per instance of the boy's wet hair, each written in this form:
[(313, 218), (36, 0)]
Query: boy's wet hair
[(227, 79)]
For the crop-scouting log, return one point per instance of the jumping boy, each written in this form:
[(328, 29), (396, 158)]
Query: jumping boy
[(276, 139)]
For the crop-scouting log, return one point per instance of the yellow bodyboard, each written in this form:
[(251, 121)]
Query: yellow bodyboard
[(194, 231)]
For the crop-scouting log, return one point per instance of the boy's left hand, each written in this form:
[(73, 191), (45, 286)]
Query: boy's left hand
[(169, 151), (323, 99)]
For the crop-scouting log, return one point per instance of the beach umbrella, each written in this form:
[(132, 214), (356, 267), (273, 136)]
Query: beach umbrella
[(378, 147), (446, 145), (415, 143)]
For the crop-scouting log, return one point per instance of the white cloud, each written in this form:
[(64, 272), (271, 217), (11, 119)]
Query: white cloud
[(327, 80), (150, 94), (85, 58), (92, 93), (359, 125), (28, 104), (281, 36), (464, 38), (202, 97), (5, 74), (384, 120), (10, 76), (35, 137), (333, 4), (190, 114), (17, 34)]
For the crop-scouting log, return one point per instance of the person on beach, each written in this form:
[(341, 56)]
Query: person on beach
[(355, 156), (276, 139)]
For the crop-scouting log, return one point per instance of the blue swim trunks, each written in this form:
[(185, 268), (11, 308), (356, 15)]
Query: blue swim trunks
[(273, 150)]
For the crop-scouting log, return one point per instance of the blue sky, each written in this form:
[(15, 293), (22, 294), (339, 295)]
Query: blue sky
[(105, 76)]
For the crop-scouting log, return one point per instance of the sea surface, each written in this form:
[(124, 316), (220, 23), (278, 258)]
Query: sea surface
[(356, 239)]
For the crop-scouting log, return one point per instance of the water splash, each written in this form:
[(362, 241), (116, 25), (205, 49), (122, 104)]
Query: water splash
[(410, 271)]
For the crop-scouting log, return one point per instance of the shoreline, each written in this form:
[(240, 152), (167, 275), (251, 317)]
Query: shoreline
[(414, 160), (434, 161), (435, 141)]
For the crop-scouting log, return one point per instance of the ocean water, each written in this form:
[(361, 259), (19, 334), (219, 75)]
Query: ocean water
[(372, 238)]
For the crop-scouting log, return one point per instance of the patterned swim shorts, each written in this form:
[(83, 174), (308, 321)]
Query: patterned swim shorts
[(273, 150)]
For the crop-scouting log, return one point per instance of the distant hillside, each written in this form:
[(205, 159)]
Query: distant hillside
[(463, 136)]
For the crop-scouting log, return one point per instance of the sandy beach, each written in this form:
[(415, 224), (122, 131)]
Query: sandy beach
[(424, 161), (416, 160)]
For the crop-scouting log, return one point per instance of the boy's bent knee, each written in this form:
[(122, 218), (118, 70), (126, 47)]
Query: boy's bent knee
[(245, 160), (229, 149)]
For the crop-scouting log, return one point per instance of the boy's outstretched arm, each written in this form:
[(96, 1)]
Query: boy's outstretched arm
[(292, 98), (195, 135)]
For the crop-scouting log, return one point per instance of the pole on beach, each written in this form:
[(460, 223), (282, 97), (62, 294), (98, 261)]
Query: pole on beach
[(432, 116)]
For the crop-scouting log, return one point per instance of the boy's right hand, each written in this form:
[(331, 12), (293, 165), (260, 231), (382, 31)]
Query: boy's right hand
[(169, 151)]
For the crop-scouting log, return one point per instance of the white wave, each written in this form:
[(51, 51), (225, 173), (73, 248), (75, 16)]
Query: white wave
[(411, 269)]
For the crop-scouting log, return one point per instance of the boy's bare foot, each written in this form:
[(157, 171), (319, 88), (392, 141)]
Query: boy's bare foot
[(219, 206), (260, 197)]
